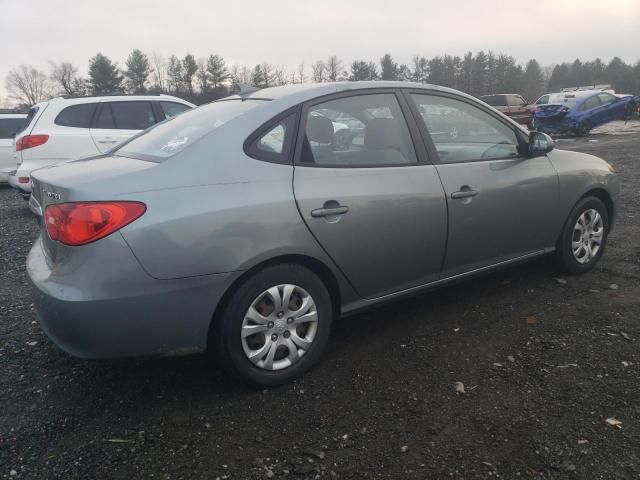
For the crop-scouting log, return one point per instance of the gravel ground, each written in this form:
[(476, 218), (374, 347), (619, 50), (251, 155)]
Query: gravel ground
[(544, 361)]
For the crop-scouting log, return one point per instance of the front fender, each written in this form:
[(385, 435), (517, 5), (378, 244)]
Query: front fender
[(579, 174)]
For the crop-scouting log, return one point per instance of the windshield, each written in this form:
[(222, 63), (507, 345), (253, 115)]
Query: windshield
[(172, 136)]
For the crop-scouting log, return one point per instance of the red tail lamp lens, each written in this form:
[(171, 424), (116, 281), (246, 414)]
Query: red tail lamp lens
[(79, 223), (30, 141)]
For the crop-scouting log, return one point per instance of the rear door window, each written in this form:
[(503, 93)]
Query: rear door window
[(132, 115), (606, 98), (171, 109), (591, 102), (77, 116), (357, 131), (10, 127), (105, 117)]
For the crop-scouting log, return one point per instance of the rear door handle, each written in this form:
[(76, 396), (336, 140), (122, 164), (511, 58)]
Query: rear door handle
[(325, 212), (107, 141), (464, 193)]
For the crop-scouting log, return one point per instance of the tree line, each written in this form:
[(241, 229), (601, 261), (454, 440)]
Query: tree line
[(208, 78)]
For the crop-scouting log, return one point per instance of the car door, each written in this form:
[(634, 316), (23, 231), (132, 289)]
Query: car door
[(367, 194), (500, 202), (613, 107), (593, 112), (117, 121)]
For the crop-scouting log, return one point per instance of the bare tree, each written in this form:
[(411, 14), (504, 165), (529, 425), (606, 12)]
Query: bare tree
[(202, 76), (334, 69), (159, 72), (240, 74), (302, 77), (65, 76), (28, 84), (318, 69), (280, 76)]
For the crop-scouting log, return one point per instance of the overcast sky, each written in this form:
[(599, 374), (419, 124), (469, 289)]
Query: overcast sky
[(286, 32)]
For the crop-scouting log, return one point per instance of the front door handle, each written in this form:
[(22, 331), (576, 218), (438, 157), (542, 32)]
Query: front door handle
[(107, 141), (325, 212), (464, 192)]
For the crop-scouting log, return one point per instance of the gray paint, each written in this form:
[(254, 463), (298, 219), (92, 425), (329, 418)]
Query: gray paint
[(214, 213)]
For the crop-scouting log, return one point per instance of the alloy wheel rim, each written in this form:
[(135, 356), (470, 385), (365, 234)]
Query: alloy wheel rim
[(587, 236), (279, 327)]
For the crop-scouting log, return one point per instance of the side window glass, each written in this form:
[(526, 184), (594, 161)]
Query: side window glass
[(78, 116), (274, 143), (462, 132), (273, 140), (171, 109), (591, 102), (606, 98), (105, 117), (10, 127), (362, 130), (132, 115)]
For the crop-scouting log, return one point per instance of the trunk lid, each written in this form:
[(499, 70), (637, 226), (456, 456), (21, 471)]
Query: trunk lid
[(98, 178), (551, 111)]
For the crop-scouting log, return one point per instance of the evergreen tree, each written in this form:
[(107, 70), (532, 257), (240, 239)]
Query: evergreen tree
[(420, 69), (361, 70), (479, 74), (137, 72), (560, 77), (104, 76), (175, 76), (532, 81), (190, 67), (388, 68), (217, 70)]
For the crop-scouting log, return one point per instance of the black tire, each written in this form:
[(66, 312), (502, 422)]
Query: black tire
[(583, 129), (564, 251), (225, 341)]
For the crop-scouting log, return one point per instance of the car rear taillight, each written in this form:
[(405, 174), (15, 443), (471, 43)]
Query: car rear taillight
[(30, 141), (24, 179), (79, 223)]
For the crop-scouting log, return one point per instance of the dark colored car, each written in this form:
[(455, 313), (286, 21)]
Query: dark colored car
[(513, 106), (579, 112)]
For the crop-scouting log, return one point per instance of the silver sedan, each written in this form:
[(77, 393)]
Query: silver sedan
[(245, 226)]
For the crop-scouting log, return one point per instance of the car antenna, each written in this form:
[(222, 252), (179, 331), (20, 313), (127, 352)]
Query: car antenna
[(245, 90)]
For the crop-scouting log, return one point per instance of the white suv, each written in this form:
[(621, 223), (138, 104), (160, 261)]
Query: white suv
[(64, 129), (11, 124)]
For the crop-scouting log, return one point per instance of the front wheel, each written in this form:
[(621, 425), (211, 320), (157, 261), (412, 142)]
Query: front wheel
[(275, 326), (583, 129), (584, 236)]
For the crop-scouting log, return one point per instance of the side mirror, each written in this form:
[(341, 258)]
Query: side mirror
[(540, 144)]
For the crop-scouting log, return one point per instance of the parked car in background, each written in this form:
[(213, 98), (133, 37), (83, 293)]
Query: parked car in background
[(10, 125), (543, 99), (64, 129), (577, 112), (513, 106), (197, 235)]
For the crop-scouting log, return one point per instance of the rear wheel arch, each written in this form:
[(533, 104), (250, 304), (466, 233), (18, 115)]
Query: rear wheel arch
[(316, 266)]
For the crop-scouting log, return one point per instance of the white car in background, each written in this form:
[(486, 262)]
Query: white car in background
[(11, 124), (65, 129)]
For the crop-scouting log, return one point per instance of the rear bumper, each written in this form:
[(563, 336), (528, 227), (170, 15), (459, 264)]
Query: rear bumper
[(103, 305)]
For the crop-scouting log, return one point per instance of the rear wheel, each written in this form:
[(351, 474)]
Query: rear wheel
[(275, 326), (584, 236)]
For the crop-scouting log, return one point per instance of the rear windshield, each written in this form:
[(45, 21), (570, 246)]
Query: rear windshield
[(30, 116), (172, 136)]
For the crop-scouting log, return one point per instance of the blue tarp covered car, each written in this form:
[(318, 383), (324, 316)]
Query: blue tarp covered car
[(578, 112)]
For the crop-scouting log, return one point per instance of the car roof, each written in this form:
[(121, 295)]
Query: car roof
[(297, 93), (118, 98)]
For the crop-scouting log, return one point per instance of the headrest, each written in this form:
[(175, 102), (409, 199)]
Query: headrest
[(382, 133), (319, 129)]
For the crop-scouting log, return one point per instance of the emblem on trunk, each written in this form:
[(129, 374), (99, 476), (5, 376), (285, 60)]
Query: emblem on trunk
[(55, 196)]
